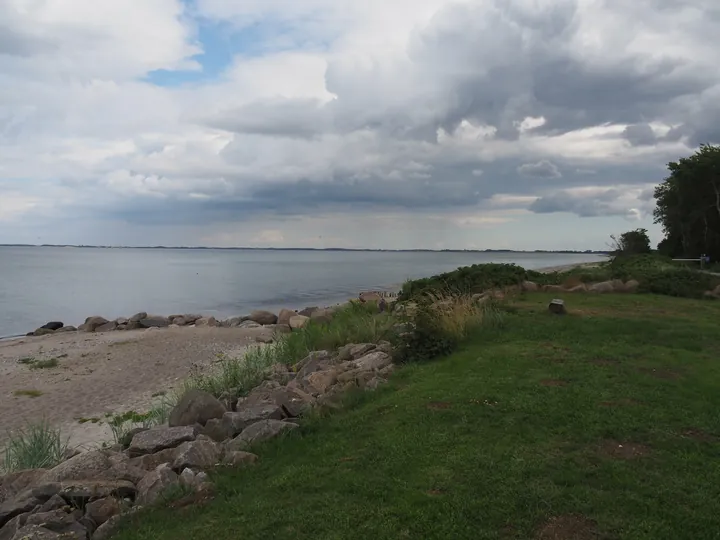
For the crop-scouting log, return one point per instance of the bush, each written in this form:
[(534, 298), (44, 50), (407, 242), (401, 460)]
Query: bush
[(35, 447), (466, 280), (439, 324)]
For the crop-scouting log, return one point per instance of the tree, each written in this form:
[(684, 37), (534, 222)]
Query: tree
[(632, 243), (688, 205)]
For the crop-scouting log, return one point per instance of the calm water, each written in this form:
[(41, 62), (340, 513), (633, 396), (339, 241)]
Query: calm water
[(69, 284)]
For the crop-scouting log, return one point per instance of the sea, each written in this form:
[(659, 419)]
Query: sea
[(68, 284)]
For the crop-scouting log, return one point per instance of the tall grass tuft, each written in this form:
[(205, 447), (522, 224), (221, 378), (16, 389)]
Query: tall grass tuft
[(34, 447)]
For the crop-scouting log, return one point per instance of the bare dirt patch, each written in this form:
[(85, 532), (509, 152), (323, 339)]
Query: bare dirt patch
[(665, 374), (624, 450), (553, 382), (569, 527), (439, 405)]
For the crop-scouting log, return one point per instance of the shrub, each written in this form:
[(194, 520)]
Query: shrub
[(466, 280), (37, 446)]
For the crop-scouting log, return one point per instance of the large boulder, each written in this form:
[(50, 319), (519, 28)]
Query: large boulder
[(155, 483), (315, 361), (154, 322), (95, 464), (196, 455), (216, 430), (249, 413), (53, 325), (42, 332), (285, 315), (293, 401), (90, 490), (296, 322), (17, 482), (66, 329), (206, 321), (54, 525), (352, 351), (259, 432), (249, 324), (529, 286), (196, 407), (632, 286), (159, 438), (107, 327), (138, 317), (263, 317), (150, 462), (308, 311), (322, 315), (603, 287), (101, 510), (91, 323)]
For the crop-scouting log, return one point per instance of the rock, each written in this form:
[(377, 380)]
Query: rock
[(238, 458), (320, 382), (263, 317), (65, 329), (150, 462), (53, 503), (259, 432), (187, 477), (315, 361), (133, 325), (206, 321), (375, 383), (160, 438), (53, 525), (43, 332), (138, 317), (101, 510), (107, 327), (216, 430), (107, 529), (308, 311), (529, 286), (235, 321), (122, 321), (95, 464), (632, 286), (578, 288), (602, 287), (179, 321), (88, 490), (264, 339), (190, 318), (557, 307), (25, 502), (285, 315), (196, 407), (279, 328), (17, 482), (196, 455), (293, 401), (373, 361), (155, 483), (11, 528), (154, 322), (297, 322), (249, 324), (322, 316), (249, 413), (53, 325), (91, 323)]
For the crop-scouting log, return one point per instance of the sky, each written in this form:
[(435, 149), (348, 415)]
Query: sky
[(393, 124)]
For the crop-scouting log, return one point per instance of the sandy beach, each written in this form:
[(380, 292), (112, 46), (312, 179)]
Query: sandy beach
[(99, 373)]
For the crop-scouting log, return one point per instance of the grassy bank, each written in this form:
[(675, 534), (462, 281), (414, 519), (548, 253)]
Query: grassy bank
[(600, 424)]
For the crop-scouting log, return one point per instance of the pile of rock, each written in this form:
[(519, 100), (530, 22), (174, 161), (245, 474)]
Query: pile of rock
[(85, 496), (714, 294), (286, 321)]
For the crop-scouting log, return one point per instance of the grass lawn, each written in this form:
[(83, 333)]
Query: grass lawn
[(603, 424)]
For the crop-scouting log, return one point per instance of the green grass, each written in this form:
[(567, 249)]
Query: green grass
[(35, 363), (28, 393), (36, 446), (486, 444)]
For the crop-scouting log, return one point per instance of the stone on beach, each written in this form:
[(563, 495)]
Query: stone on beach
[(263, 317), (196, 407), (160, 438)]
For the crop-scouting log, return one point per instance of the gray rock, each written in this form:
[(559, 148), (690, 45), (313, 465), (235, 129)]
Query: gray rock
[(190, 318), (285, 315), (122, 321), (89, 490), (293, 401), (91, 323), (65, 329), (264, 339), (53, 325), (263, 317), (557, 307), (216, 430), (21, 504), (160, 438), (603, 287), (133, 325), (14, 483), (196, 407), (373, 361), (308, 311), (249, 324), (36, 532), (179, 321), (315, 361), (196, 455), (154, 322), (251, 413), (11, 528), (101, 510), (238, 458), (107, 327), (95, 464), (322, 315), (43, 332), (150, 462), (298, 321), (155, 483), (259, 432), (206, 321), (187, 477), (138, 317)]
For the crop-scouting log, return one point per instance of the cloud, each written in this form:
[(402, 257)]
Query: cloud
[(541, 169), (338, 107)]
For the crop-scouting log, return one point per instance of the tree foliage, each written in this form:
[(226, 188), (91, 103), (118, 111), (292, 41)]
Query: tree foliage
[(688, 205), (634, 242)]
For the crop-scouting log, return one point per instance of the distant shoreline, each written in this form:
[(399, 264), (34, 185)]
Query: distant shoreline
[(538, 251)]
